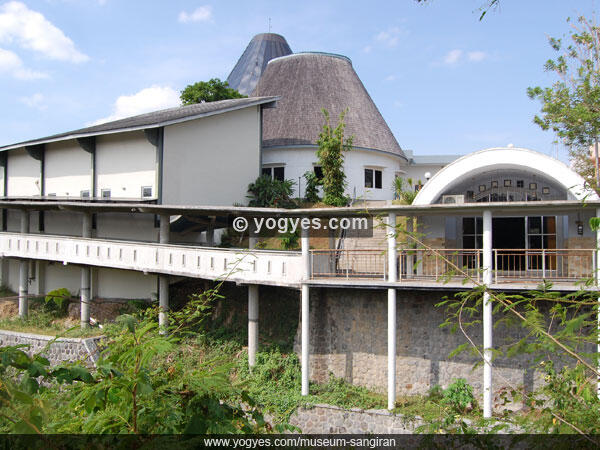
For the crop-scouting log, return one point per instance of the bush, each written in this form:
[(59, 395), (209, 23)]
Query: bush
[(312, 187), (459, 395), (267, 192), (57, 301)]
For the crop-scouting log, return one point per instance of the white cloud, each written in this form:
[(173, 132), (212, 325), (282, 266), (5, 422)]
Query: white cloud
[(200, 14), (391, 36), (367, 49), (391, 78), (150, 99), (31, 30), (36, 101), (453, 56), (11, 64), (476, 56)]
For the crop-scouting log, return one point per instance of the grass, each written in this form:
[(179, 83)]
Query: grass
[(47, 323)]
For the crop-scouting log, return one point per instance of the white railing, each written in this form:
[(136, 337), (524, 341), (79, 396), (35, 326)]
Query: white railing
[(252, 266), (508, 265)]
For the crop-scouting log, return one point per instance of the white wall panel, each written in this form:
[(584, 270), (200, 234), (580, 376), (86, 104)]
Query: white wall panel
[(68, 169), (23, 174)]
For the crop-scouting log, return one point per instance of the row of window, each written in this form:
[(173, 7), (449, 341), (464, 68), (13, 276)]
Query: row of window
[(373, 177), (146, 192)]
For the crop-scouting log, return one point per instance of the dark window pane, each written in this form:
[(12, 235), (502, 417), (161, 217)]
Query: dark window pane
[(535, 242), (478, 225), (469, 241), (279, 173), (378, 177), (534, 225), (318, 172), (266, 171), (519, 183), (468, 225), (479, 241), (368, 178)]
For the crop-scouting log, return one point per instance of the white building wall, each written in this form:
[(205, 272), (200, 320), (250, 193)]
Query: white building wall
[(59, 276), (137, 227), (66, 223), (297, 161), (23, 174), (124, 163), (68, 169), (125, 284), (211, 161)]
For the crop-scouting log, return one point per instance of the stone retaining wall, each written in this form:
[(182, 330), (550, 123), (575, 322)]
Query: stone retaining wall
[(327, 419), (60, 351)]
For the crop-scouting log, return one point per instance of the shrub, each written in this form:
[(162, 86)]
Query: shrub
[(459, 395), (267, 192), (57, 301), (312, 187)]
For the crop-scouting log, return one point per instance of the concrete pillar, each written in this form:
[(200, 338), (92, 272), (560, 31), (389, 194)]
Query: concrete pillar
[(304, 241), (252, 324), (163, 280), (487, 315), (210, 232), (85, 296), (392, 277), (410, 258), (24, 271)]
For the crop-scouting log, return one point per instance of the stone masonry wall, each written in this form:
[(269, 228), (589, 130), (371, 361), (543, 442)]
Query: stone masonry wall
[(60, 351), (327, 419), (349, 339)]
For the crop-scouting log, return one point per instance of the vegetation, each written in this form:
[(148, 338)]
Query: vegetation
[(208, 91), (332, 146), (570, 105), (404, 190), (268, 192), (312, 187)]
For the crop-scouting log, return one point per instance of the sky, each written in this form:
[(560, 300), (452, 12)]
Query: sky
[(445, 82)]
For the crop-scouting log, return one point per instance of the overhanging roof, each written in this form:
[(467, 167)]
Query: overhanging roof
[(498, 209), (153, 119)]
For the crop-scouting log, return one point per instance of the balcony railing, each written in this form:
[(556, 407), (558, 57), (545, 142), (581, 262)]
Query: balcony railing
[(250, 266), (508, 265)]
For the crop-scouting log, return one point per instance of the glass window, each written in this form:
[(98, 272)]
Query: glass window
[(279, 173), (146, 191), (105, 193), (378, 179), (318, 172), (368, 178), (267, 171), (520, 183), (85, 194)]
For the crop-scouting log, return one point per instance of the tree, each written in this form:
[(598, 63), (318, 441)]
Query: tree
[(267, 192), (332, 146), (208, 91), (312, 187), (571, 106), (487, 5)]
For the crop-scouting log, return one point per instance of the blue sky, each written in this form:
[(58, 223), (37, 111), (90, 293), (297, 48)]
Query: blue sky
[(444, 81)]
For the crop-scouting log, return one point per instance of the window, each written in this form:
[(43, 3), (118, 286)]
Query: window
[(85, 194), (494, 184), (533, 186), (318, 172), (507, 183), (279, 173), (52, 194), (105, 193), (373, 178), (482, 187), (520, 183), (146, 191)]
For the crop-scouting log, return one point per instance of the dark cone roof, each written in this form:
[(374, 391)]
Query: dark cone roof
[(261, 49), (308, 82)]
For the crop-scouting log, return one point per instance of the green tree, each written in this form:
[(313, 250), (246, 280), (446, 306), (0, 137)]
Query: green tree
[(571, 106), (312, 187), (332, 146), (267, 192), (208, 91)]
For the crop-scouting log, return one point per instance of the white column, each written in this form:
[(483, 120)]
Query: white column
[(304, 241), (24, 271), (392, 277), (598, 284), (487, 315), (85, 291), (410, 259), (163, 280), (252, 323)]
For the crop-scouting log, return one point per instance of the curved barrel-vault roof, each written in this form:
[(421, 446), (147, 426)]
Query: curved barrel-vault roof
[(500, 158)]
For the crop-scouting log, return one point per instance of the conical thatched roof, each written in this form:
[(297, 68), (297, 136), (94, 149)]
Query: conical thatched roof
[(308, 82), (261, 49)]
